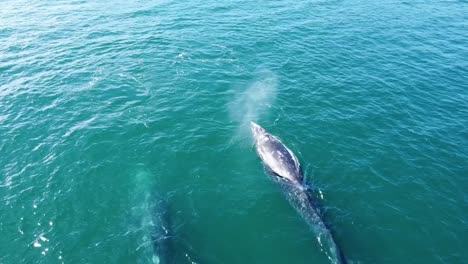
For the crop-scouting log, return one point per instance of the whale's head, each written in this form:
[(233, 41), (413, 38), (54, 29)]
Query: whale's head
[(257, 131)]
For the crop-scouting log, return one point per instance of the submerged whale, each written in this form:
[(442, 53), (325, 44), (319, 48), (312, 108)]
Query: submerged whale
[(161, 232), (284, 168), (168, 247)]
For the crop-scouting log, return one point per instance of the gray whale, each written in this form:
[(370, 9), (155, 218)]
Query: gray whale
[(168, 247), (285, 169), (162, 233)]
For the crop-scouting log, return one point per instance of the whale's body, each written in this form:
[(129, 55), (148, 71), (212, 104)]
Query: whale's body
[(161, 233), (168, 248), (285, 169)]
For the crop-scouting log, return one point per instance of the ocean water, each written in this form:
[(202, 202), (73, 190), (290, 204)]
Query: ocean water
[(107, 107)]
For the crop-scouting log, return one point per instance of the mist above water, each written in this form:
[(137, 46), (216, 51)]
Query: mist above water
[(256, 101)]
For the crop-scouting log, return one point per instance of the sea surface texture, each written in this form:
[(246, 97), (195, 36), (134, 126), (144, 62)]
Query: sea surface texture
[(111, 108)]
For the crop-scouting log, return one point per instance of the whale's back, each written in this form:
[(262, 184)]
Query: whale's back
[(279, 159)]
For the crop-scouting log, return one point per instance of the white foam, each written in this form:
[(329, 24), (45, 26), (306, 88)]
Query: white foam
[(80, 125)]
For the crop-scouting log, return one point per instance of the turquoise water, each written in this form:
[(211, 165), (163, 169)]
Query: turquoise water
[(105, 105)]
